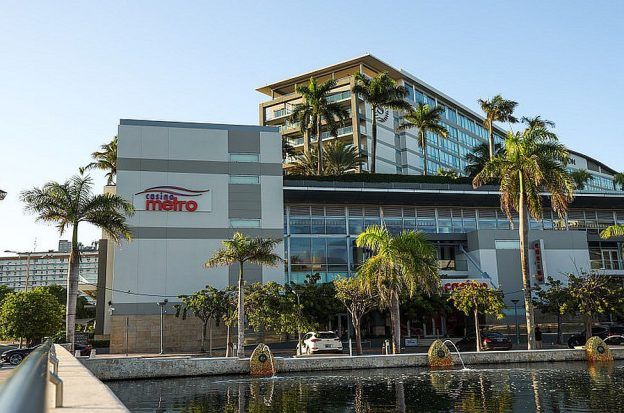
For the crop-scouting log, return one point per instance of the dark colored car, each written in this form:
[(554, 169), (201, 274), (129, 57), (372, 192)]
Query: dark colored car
[(489, 341), (15, 356), (614, 333)]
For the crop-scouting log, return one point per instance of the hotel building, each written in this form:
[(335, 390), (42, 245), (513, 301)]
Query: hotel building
[(195, 184)]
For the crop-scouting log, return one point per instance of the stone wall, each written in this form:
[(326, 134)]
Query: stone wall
[(144, 334), (121, 368)]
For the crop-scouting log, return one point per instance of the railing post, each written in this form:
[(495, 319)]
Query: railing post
[(54, 378)]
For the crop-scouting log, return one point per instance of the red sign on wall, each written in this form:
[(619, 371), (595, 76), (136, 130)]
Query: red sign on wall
[(169, 198)]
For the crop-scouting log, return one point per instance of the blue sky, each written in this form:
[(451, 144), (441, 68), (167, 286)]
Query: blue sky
[(70, 70)]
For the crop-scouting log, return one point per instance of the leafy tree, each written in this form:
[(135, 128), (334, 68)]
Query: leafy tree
[(476, 298), (207, 306), (447, 172), (427, 120), (358, 301), (340, 158), (592, 295), (240, 250), (67, 205), (479, 156), (316, 109), (401, 264), (534, 162), (554, 300), (421, 306), (83, 307), (496, 109), (581, 177), (382, 93), (31, 314), (106, 160), (228, 313), (318, 300), (4, 291), (618, 180)]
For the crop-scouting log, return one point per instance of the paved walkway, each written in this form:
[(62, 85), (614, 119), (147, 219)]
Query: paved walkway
[(82, 391)]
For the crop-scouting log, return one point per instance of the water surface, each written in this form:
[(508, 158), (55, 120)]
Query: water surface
[(547, 387)]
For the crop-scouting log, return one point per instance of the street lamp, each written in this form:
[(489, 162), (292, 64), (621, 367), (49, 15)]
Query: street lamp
[(162, 305), (515, 303), (2, 194)]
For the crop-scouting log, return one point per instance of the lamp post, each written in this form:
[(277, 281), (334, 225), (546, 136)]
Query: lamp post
[(515, 303), (162, 305), (298, 320), (2, 194)]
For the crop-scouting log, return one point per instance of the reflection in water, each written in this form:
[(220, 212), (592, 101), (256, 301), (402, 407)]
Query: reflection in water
[(522, 388)]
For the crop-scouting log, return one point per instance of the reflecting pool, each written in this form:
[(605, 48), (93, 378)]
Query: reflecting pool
[(552, 387)]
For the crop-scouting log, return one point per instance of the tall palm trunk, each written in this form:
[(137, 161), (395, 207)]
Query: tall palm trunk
[(423, 145), (477, 329), (240, 349), (72, 289), (524, 263), (395, 317), (306, 140), (491, 139), (373, 149), (320, 146)]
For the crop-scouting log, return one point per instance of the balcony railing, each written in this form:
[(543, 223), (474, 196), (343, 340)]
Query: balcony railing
[(453, 265), (278, 113), (606, 265), (336, 97)]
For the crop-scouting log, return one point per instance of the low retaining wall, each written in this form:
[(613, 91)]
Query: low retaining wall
[(125, 368)]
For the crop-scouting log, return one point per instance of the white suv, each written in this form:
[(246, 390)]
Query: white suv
[(321, 341)]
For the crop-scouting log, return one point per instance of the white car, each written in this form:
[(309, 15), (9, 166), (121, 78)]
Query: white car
[(320, 341)]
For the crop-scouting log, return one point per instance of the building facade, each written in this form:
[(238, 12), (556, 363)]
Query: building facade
[(49, 268), (399, 153), (193, 186)]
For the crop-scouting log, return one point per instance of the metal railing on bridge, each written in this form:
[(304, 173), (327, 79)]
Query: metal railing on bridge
[(25, 389)]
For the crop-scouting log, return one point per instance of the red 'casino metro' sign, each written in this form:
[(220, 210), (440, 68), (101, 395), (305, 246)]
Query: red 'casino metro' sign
[(171, 198)]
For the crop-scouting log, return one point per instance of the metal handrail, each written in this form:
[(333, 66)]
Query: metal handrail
[(25, 389)]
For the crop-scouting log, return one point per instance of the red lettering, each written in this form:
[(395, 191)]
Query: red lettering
[(167, 205), (152, 205), (191, 206)]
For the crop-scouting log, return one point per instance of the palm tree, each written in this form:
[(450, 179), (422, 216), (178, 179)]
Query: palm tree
[(479, 156), (581, 177), (496, 109), (106, 160), (401, 264), (426, 119), (534, 162), (67, 205), (316, 109), (340, 158), (618, 179), (240, 250), (537, 122), (381, 92), (613, 231)]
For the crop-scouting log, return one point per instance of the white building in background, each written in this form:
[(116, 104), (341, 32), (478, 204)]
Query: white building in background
[(49, 268)]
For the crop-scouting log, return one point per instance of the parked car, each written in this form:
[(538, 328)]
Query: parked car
[(613, 333), (319, 342), (15, 356), (489, 341)]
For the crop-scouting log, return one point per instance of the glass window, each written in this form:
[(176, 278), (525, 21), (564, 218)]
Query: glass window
[(410, 92), (507, 244), (319, 251), (337, 251), (299, 225), (336, 225), (299, 250), (245, 223), (244, 157), (318, 225), (356, 225), (244, 179)]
